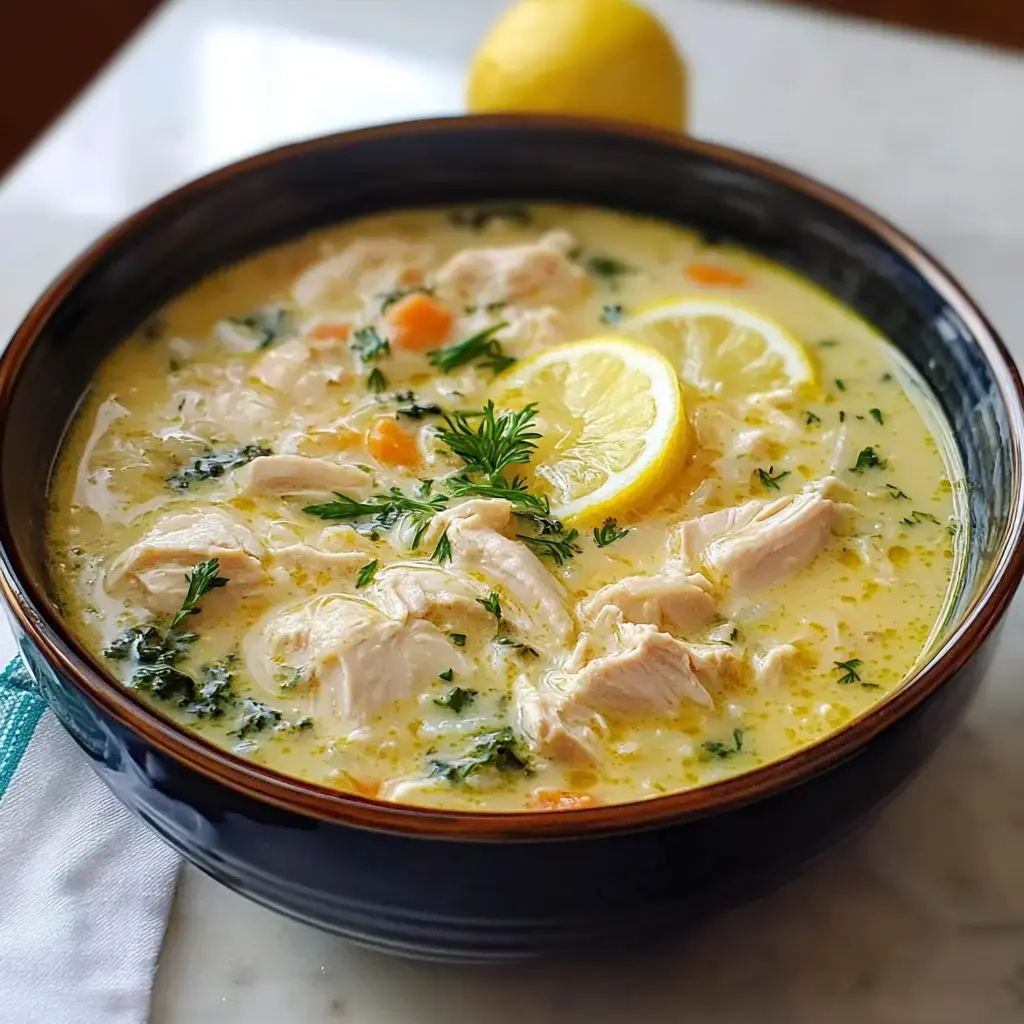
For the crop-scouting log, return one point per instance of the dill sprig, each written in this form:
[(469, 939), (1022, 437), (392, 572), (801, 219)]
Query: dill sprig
[(202, 579), (366, 574), (442, 550), (769, 481), (608, 533), (558, 548), (482, 348), (383, 510), (848, 670), (495, 443)]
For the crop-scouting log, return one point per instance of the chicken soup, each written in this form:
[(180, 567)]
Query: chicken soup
[(505, 508)]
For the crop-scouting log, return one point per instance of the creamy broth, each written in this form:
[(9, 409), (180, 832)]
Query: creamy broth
[(337, 654)]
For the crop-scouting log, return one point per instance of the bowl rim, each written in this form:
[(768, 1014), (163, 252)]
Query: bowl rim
[(38, 617)]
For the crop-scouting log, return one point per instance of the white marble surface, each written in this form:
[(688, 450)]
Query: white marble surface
[(921, 918)]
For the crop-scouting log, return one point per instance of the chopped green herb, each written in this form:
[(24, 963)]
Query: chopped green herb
[(482, 348), (443, 549), (382, 510), (266, 325), (842, 416), (459, 639), (612, 314), (415, 411), (876, 414), (827, 343), (447, 675), (492, 603), (368, 344), (388, 299), (919, 517), (477, 218), (558, 549), (723, 750), (811, 418), (457, 699), (841, 384), (885, 378), (498, 750), (849, 670), (868, 459), (215, 464), (202, 579), (952, 527), (255, 717), (376, 382), (606, 268), (896, 494), (496, 443), (366, 574), (608, 533), (516, 645), (770, 482)]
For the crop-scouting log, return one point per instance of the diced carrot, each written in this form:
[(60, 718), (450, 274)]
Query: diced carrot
[(708, 273), (561, 800), (419, 321), (388, 442), (331, 332)]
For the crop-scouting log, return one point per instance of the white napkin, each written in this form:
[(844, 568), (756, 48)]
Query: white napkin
[(85, 888)]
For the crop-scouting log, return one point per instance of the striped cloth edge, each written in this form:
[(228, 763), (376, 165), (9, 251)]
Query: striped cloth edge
[(20, 710)]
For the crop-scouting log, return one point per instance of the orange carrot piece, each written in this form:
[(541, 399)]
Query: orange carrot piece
[(419, 322), (561, 800), (708, 273), (388, 442), (331, 332)]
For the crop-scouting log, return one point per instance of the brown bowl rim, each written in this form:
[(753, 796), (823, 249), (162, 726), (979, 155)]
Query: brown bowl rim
[(37, 615)]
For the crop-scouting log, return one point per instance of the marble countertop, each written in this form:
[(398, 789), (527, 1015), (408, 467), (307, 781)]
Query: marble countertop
[(921, 917)]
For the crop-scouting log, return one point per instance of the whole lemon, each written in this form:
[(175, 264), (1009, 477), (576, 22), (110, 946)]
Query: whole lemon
[(603, 58)]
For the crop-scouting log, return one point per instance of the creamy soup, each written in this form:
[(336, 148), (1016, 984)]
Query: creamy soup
[(716, 528)]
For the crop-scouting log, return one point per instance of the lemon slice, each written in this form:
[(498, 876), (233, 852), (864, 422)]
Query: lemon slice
[(610, 413), (723, 348)]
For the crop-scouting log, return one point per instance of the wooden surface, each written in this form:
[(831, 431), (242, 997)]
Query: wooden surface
[(50, 49)]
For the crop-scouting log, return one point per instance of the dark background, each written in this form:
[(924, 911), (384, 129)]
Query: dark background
[(50, 49)]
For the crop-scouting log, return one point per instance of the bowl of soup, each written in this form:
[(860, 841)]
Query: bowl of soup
[(493, 535)]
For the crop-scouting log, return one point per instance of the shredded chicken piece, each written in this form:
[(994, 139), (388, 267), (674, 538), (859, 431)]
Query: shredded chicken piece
[(301, 475), (353, 659), (554, 726), (770, 666), (422, 590), (153, 570), (675, 601), (534, 274), (532, 599), (760, 543)]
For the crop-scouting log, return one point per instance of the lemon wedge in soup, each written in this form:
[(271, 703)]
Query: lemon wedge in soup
[(611, 417), (723, 348)]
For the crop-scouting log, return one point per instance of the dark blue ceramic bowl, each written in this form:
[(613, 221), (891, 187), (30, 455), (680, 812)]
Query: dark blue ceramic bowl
[(474, 886)]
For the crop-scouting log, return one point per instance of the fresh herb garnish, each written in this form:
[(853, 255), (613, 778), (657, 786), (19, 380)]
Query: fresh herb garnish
[(266, 325), (842, 416), (482, 348), (215, 464), (491, 603), (868, 459), (498, 749), (612, 314), (840, 384), (606, 268), (849, 670), (256, 716), (876, 415), (497, 442), (952, 527), (202, 579), (558, 549), (608, 533), (388, 299), (769, 481), (459, 639), (896, 494), (457, 698), (811, 418), (383, 510), (723, 750), (415, 411), (366, 574), (369, 345), (376, 382), (827, 343), (442, 550), (919, 517), (503, 640), (477, 218)]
